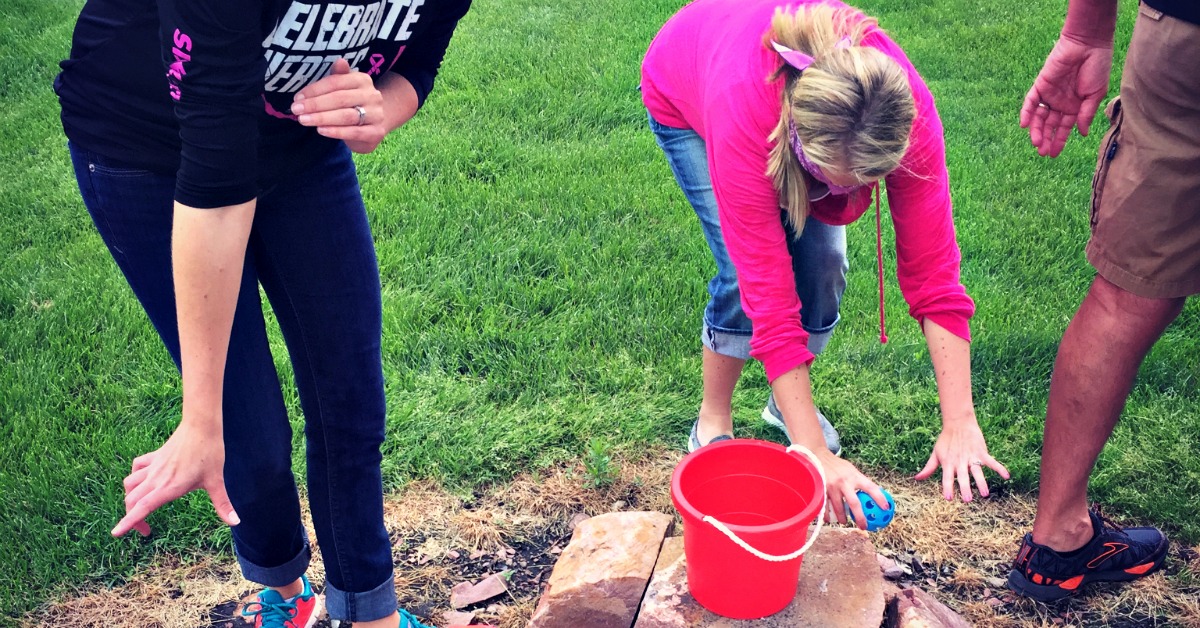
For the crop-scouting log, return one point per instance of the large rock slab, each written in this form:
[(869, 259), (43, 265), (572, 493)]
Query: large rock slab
[(600, 577), (841, 586)]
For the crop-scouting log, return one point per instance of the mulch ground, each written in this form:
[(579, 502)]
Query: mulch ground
[(959, 553), (526, 563)]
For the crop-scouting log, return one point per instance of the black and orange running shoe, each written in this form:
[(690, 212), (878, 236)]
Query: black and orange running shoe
[(1114, 554)]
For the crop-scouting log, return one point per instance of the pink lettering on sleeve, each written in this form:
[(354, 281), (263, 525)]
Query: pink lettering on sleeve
[(176, 71)]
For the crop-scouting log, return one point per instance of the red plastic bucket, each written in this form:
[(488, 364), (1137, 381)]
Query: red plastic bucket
[(764, 496)]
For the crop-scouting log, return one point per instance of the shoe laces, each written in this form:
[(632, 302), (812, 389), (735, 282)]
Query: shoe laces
[(1105, 521), (272, 614)]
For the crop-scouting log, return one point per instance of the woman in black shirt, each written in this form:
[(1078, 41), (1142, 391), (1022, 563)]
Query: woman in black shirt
[(211, 142)]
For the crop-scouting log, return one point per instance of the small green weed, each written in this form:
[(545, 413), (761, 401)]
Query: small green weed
[(598, 464)]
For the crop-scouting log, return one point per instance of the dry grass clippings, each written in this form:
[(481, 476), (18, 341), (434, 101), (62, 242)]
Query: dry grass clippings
[(958, 552)]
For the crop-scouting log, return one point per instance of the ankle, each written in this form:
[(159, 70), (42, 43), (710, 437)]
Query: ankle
[(391, 621), (711, 427), (292, 590), (718, 420), (1065, 536)]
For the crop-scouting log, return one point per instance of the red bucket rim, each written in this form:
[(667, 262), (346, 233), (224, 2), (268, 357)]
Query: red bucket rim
[(808, 513)]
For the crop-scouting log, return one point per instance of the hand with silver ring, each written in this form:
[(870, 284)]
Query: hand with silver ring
[(344, 105), (1067, 92)]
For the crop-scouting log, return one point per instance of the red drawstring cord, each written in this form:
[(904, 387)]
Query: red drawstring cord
[(879, 256)]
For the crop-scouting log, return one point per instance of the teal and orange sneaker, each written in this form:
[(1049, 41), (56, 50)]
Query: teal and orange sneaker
[(408, 620), (1114, 554), (272, 611)]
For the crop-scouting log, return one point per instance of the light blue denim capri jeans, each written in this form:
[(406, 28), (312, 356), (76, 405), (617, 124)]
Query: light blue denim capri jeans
[(819, 261)]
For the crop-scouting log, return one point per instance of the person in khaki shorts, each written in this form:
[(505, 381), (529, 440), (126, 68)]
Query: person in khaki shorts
[(1145, 246)]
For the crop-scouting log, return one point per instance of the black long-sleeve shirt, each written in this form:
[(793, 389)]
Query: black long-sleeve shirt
[(203, 89)]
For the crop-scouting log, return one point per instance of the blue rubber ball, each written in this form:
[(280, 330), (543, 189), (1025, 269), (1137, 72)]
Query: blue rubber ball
[(877, 518)]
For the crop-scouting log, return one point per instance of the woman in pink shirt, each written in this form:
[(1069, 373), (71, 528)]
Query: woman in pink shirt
[(784, 120)]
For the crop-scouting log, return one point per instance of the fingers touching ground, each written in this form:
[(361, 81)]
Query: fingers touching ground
[(980, 480), (139, 503), (144, 497), (960, 471)]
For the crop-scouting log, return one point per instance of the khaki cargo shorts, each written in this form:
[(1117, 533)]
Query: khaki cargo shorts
[(1146, 190)]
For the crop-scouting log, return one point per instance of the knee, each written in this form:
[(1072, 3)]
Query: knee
[(827, 268), (252, 477), (1124, 305), (357, 417), (828, 259), (822, 282), (834, 266)]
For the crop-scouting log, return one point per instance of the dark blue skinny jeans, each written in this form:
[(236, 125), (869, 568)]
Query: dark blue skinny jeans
[(311, 251)]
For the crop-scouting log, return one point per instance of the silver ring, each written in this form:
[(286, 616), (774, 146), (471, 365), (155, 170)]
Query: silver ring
[(362, 115), (1043, 105), (976, 463)]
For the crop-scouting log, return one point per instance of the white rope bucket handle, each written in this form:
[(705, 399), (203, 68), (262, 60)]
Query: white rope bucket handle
[(800, 449)]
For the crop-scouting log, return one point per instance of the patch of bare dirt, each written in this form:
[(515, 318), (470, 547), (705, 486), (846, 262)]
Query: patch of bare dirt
[(958, 552)]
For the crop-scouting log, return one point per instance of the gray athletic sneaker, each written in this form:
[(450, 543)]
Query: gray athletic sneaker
[(772, 415), (694, 439)]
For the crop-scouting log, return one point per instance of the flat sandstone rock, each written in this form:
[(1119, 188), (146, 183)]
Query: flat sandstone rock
[(465, 594), (601, 576), (917, 609), (841, 586)]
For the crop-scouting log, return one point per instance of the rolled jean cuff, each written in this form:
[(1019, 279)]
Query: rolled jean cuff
[(736, 344), (367, 606), (733, 344), (818, 338), (280, 576)]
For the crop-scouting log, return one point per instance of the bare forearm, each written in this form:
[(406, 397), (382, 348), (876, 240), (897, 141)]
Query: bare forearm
[(951, 357), (1091, 21), (208, 247), (793, 395)]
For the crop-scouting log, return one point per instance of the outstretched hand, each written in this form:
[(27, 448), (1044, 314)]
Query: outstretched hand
[(962, 453), (189, 460), (1066, 93)]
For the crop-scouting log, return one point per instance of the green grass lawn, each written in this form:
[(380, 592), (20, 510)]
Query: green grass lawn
[(543, 282)]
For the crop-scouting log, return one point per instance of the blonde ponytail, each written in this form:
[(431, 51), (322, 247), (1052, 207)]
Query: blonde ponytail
[(852, 108)]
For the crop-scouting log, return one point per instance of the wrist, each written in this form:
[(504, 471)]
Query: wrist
[(202, 418), (1091, 23), (1090, 39), (400, 102), (962, 418), (826, 457)]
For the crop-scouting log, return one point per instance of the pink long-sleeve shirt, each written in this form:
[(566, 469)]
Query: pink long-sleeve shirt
[(707, 70)]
